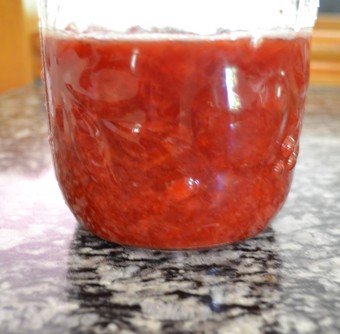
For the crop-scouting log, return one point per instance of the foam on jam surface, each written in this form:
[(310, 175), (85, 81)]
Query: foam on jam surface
[(175, 143)]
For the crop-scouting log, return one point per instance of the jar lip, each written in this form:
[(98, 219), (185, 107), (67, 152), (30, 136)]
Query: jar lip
[(200, 17)]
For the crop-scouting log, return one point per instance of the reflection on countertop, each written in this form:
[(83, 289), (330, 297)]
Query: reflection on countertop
[(57, 278)]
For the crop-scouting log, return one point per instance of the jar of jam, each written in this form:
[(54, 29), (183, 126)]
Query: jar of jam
[(175, 124)]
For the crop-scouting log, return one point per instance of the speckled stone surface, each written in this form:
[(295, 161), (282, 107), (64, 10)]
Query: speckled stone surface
[(56, 278)]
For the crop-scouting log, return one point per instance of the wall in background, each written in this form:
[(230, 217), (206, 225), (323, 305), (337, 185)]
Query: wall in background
[(330, 6)]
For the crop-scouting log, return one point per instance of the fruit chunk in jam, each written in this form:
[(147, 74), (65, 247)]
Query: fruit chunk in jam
[(175, 143)]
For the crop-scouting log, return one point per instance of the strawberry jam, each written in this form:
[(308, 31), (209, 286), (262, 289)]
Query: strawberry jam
[(175, 143)]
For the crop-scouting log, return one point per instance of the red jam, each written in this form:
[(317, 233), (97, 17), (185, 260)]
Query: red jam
[(175, 144)]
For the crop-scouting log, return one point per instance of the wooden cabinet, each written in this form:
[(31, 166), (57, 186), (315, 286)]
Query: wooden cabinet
[(325, 64), (16, 57)]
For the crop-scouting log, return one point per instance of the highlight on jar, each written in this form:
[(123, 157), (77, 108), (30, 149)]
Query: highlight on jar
[(175, 125)]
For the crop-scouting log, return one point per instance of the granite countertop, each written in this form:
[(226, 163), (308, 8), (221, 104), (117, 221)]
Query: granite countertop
[(57, 278)]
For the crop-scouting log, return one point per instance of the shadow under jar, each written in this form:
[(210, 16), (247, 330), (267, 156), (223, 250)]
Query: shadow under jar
[(175, 125)]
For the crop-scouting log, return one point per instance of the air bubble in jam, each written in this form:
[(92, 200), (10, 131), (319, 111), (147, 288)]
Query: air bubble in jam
[(183, 188), (175, 143)]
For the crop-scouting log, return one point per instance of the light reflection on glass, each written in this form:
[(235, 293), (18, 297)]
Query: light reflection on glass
[(193, 182), (279, 91), (220, 182), (232, 126), (134, 60), (136, 128), (256, 41), (234, 103)]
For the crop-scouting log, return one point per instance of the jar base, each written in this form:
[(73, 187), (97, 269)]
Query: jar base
[(251, 233)]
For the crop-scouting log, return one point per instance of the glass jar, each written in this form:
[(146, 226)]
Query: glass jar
[(175, 124)]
